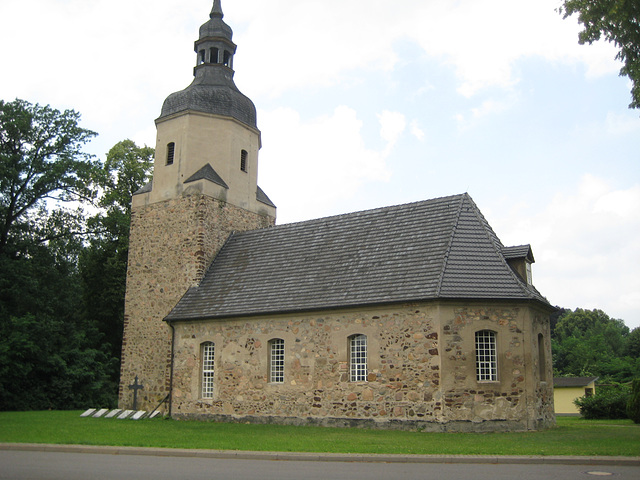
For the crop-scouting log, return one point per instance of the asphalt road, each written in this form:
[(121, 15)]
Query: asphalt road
[(22, 465)]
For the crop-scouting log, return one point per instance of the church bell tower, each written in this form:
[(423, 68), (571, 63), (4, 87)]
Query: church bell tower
[(204, 187)]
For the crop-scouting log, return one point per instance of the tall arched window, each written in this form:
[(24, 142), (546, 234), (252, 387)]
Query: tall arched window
[(208, 350), (358, 358), (276, 360), (486, 356)]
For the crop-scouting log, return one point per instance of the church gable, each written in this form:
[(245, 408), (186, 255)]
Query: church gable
[(440, 248)]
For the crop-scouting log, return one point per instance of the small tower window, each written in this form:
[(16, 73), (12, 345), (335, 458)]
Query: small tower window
[(243, 160), (213, 55), (171, 149), (227, 59), (201, 56)]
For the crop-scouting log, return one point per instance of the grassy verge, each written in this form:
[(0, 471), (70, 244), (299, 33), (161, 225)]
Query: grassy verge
[(572, 436)]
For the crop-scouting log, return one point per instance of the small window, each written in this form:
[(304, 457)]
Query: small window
[(529, 277), (276, 360), (542, 358), (243, 160), (588, 392), (201, 57), (208, 369), (486, 356), (226, 59), (171, 150), (358, 358), (213, 55)]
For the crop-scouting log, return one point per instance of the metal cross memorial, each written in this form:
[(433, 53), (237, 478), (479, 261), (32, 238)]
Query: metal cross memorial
[(135, 387)]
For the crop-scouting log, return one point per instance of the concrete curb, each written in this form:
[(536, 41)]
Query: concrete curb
[(324, 457)]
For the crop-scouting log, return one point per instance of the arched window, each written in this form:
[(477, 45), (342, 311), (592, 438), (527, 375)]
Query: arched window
[(486, 356), (208, 369), (171, 150), (226, 59), (542, 358), (276, 360), (201, 57), (243, 160), (358, 358)]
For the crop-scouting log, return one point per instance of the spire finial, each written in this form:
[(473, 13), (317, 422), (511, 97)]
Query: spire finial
[(216, 11)]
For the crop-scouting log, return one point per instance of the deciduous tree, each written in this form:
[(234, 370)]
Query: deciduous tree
[(618, 21)]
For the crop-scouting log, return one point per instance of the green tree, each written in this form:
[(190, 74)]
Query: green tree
[(103, 263), (633, 343), (590, 343), (618, 21), (49, 352), (42, 169)]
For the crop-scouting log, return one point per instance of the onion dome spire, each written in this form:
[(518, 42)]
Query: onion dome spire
[(213, 89)]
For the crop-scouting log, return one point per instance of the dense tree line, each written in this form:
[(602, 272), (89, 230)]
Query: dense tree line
[(589, 343), (64, 227)]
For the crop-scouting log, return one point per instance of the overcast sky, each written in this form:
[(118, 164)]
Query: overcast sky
[(369, 103)]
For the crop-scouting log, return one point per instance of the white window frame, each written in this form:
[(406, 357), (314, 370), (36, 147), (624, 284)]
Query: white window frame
[(276, 360), (208, 369), (358, 358), (486, 356)]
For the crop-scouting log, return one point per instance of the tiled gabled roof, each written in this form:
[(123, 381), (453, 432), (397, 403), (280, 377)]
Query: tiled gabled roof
[(440, 248)]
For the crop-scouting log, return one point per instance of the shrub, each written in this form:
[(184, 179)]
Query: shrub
[(633, 405), (609, 402)]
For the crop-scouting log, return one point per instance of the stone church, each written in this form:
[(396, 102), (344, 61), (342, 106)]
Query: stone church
[(410, 316)]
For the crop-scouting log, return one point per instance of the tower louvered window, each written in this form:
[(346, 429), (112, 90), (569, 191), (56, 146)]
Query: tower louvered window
[(171, 150), (243, 160)]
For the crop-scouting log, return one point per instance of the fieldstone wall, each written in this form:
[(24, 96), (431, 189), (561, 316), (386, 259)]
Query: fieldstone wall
[(171, 245), (421, 369)]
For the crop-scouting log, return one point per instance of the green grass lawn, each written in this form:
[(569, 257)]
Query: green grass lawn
[(572, 436)]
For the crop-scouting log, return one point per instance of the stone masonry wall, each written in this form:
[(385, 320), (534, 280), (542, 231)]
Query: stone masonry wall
[(516, 395), (171, 245), (408, 384)]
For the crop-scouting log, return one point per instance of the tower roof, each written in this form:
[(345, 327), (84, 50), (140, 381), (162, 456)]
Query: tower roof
[(213, 89)]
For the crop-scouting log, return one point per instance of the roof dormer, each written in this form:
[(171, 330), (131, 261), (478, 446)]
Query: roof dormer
[(520, 259)]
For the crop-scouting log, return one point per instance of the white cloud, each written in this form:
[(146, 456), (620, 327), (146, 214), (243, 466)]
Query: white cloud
[(309, 167), (416, 131), (586, 242), (318, 43), (392, 124)]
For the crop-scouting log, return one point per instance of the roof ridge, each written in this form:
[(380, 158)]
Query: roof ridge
[(356, 213), (445, 258)]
